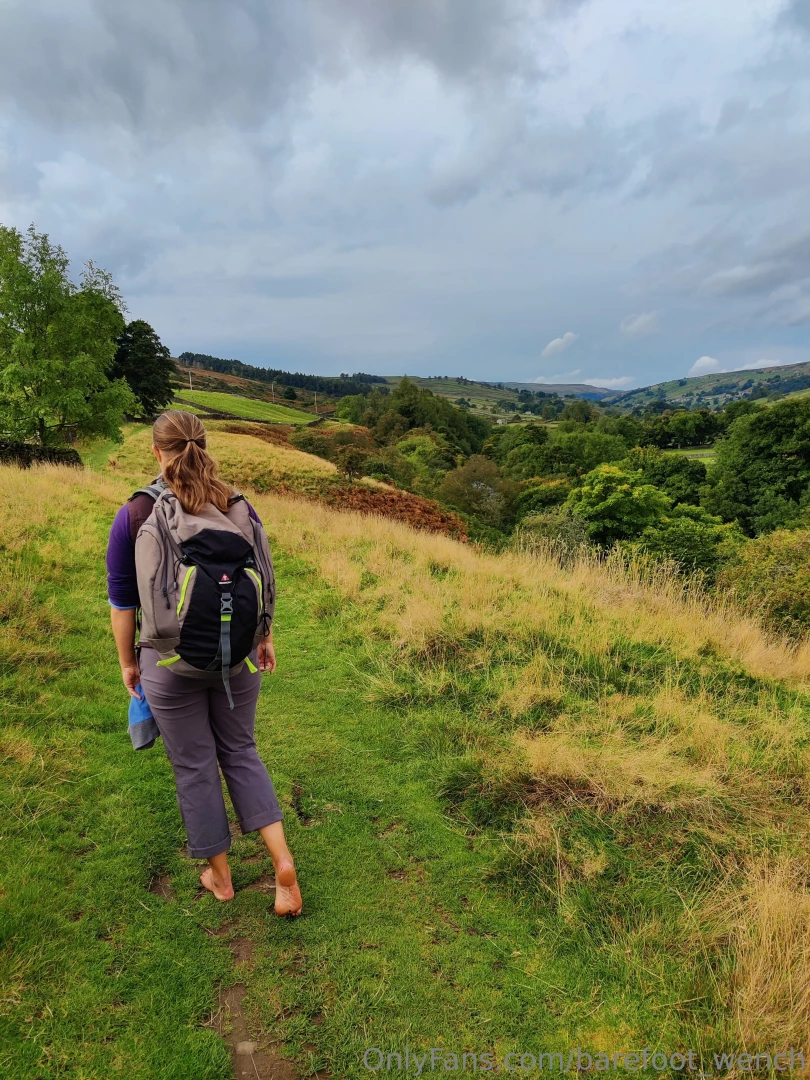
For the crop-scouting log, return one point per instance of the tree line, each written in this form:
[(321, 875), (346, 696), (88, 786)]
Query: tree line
[(359, 383)]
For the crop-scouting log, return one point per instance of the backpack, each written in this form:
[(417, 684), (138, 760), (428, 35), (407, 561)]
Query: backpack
[(206, 585)]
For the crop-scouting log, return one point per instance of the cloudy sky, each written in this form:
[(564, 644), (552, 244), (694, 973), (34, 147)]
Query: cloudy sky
[(615, 191)]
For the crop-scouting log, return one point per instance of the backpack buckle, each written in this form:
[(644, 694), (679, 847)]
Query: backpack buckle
[(226, 604)]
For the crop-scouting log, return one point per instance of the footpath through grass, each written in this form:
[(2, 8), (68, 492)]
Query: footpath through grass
[(401, 943), (455, 897)]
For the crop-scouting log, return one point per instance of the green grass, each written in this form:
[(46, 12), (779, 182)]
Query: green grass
[(245, 408), (704, 453), (428, 921)]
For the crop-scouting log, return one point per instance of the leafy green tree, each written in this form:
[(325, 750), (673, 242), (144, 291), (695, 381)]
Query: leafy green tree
[(408, 407), (57, 343), (693, 538), (574, 453), (147, 366), (350, 461), (681, 477), (761, 476), (617, 505), (290, 394), (579, 410)]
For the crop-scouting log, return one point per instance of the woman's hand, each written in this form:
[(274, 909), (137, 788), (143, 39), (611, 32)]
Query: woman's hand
[(267, 655), (123, 627), (131, 676)]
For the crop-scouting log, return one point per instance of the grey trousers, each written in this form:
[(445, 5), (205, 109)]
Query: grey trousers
[(202, 735)]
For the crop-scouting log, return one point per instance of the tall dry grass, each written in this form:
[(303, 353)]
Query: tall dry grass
[(244, 461), (433, 590)]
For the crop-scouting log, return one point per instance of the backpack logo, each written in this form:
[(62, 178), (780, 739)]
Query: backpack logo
[(224, 578)]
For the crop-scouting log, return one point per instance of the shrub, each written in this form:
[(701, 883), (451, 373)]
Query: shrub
[(617, 505), (693, 538), (771, 576), (25, 455), (556, 530)]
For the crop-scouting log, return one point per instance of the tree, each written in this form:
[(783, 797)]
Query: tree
[(476, 488), (762, 468), (681, 477), (693, 538), (290, 394), (57, 343), (350, 461), (147, 366), (617, 505)]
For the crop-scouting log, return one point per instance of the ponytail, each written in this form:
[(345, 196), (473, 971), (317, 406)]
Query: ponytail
[(189, 469)]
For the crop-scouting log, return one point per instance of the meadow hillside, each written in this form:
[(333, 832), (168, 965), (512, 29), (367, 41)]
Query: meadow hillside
[(717, 390), (260, 458), (243, 408), (533, 808)]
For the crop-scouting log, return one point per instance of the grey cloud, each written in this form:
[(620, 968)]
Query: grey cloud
[(477, 37), (516, 153), (151, 66), (769, 267), (158, 68), (797, 14)]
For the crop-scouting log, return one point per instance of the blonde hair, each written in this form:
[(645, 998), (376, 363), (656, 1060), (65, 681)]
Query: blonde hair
[(189, 469)]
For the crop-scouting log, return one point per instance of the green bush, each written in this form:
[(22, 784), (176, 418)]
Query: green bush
[(693, 538), (771, 576), (558, 530), (617, 505)]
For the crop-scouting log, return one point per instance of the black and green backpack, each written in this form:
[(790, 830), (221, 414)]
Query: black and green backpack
[(206, 585)]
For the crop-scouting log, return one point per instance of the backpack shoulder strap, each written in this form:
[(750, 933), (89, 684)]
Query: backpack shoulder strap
[(153, 490)]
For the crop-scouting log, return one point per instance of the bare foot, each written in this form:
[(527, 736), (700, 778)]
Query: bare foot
[(288, 895), (222, 890)]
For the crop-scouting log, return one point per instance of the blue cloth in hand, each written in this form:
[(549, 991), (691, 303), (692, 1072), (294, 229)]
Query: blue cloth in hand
[(142, 727)]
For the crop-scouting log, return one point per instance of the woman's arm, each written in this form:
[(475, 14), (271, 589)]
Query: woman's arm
[(122, 586), (267, 654), (123, 628)]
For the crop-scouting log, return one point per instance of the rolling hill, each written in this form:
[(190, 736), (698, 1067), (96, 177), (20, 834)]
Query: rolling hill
[(486, 395), (207, 402), (715, 391), (582, 390)]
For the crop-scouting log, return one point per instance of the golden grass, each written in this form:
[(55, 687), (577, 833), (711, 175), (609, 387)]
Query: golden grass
[(432, 591), (617, 772), (245, 461), (769, 921)]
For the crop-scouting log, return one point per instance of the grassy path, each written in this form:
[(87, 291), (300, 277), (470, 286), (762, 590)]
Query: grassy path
[(402, 942)]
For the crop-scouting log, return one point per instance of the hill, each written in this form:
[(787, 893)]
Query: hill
[(582, 390), (487, 395), (208, 403), (559, 807), (715, 391)]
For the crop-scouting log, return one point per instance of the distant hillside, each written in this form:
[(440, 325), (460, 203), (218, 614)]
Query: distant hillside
[(713, 391), (581, 390), (486, 395), (335, 385)]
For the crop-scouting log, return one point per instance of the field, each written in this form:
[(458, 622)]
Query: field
[(533, 808), (242, 407)]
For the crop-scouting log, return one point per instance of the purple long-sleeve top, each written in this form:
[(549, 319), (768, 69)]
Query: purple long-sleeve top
[(122, 582)]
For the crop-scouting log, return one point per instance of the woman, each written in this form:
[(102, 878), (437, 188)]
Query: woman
[(201, 731)]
